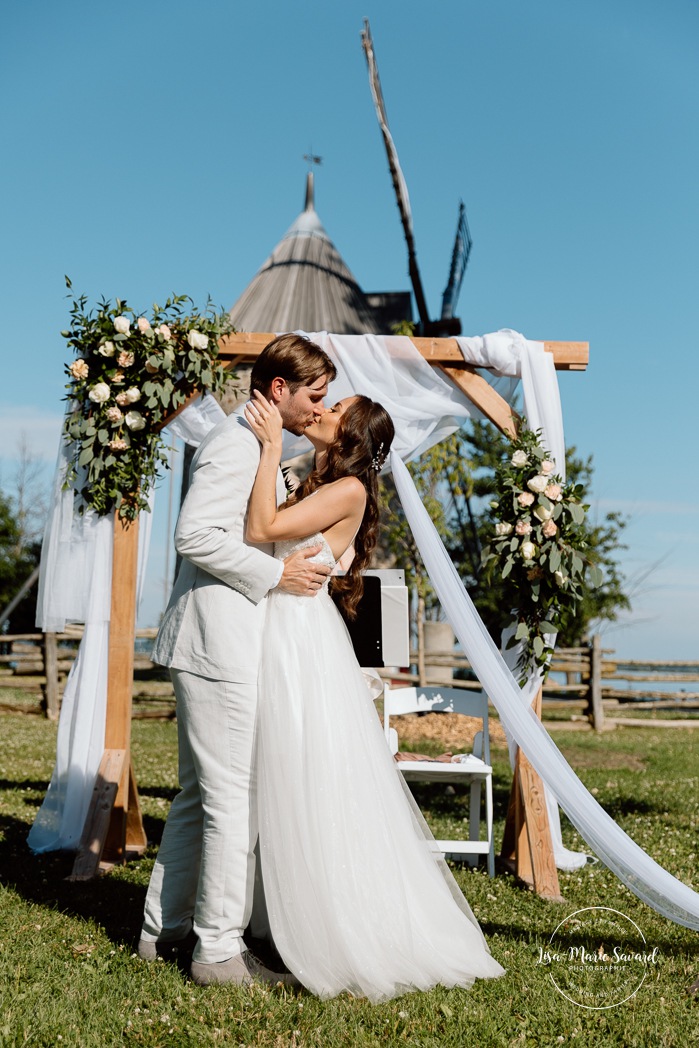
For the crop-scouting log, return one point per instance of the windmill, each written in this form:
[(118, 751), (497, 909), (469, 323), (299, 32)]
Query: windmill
[(447, 324)]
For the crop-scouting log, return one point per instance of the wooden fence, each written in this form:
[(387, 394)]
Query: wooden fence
[(34, 668), (587, 684)]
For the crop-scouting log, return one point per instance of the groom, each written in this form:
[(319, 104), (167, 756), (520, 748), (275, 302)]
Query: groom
[(210, 638)]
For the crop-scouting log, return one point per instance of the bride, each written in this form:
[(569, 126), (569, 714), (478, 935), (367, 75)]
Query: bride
[(358, 895)]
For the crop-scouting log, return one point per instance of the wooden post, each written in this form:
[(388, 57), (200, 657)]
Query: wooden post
[(51, 672), (596, 708), (526, 846), (421, 675), (114, 825)]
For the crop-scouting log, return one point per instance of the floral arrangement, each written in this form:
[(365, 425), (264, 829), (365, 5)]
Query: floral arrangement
[(538, 545), (131, 372)]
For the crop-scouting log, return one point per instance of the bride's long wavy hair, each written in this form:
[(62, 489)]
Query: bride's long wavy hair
[(362, 442)]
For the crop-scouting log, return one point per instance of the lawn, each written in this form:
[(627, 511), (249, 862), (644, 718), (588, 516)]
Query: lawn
[(69, 975)]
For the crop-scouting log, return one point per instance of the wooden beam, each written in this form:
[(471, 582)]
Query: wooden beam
[(568, 356), (482, 394), (99, 815), (527, 847)]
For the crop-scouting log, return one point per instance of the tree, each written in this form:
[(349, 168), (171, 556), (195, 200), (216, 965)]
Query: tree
[(456, 483), (17, 561), (22, 518)]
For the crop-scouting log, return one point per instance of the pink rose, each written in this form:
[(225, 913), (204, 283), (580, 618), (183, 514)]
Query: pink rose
[(553, 492), (125, 359), (164, 330), (122, 399), (113, 414), (118, 377), (525, 499), (547, 466), (522, 527), (549, 529), (118, 444), (143, 325), (79, 368)]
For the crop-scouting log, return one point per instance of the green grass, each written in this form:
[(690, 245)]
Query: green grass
[(69, 976)]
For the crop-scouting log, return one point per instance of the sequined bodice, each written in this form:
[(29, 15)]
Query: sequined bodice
[(284, 549)]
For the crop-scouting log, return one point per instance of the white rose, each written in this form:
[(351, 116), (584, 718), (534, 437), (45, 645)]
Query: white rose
[(520, 458), (560, 578), (134, 420), (99, 393), (528, 550), (537, 483), (503, 528), (542, 513), (107, 349), (132, 395), (122, 325), (197, 340)]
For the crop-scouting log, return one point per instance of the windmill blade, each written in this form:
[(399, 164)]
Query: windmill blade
[(459, 260), (399, 186)]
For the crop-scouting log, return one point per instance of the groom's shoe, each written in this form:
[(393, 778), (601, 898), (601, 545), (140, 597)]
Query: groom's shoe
[(241, 970)]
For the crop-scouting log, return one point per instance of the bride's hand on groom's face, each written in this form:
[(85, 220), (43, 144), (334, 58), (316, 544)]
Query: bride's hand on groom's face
[(264, 420)]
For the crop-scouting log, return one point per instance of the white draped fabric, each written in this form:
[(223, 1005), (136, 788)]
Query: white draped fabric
[(75, 586), (426, 408)]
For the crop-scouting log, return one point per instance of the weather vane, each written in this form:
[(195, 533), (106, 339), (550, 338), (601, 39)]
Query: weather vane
[(312, 159)]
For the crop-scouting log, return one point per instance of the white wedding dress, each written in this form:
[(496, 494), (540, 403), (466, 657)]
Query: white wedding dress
[(359, 897)]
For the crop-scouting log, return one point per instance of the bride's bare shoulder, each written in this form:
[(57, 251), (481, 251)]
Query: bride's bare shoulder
[(350, 487)]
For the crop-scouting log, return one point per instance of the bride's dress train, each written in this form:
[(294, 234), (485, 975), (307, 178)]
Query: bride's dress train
[(358, 896)]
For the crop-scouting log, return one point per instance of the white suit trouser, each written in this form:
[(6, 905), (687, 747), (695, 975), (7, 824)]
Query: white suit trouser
[(205, 870)]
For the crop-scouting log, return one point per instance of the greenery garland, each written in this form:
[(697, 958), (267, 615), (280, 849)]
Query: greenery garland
[(132, 372), (538, 545)]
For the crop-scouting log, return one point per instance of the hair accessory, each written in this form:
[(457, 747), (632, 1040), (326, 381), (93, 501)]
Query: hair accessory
[(378, 460)]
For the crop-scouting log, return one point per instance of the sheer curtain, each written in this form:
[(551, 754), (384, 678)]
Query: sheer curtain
[(75, 585)]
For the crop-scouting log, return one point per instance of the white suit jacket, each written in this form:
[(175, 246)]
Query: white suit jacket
[(213, 623)]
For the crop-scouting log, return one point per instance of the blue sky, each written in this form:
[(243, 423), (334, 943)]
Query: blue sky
[(157, 146)]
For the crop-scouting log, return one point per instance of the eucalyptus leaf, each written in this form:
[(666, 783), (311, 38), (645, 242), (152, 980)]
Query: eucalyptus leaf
[(595, 577)]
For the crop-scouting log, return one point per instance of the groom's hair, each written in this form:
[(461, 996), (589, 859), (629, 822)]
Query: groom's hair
[(295, 359)]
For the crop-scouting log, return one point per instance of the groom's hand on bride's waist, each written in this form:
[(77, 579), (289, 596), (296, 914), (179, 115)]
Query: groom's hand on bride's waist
[(302, 576)]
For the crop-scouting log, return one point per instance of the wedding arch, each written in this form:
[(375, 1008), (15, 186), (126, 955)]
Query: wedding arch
[(430, 386)]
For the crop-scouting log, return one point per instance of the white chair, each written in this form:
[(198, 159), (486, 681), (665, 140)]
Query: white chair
[(474, 766)]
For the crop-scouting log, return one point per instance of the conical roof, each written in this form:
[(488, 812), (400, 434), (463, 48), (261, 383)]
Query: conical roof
[(304, 285)]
